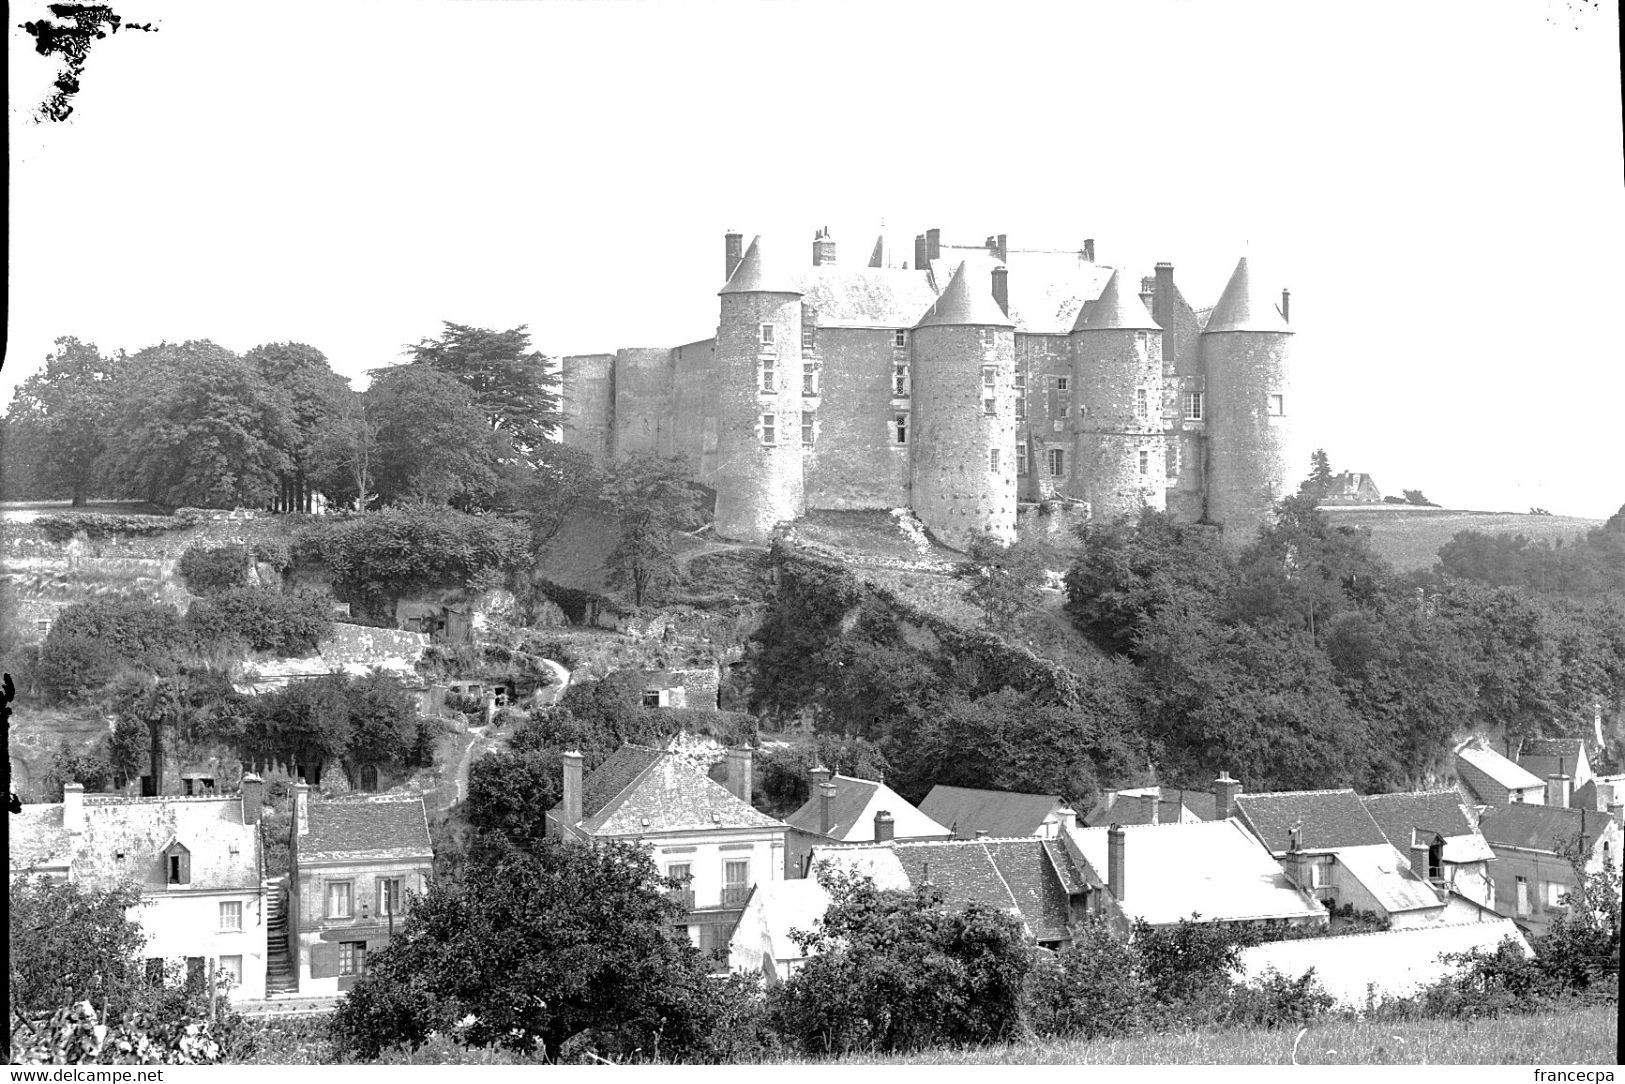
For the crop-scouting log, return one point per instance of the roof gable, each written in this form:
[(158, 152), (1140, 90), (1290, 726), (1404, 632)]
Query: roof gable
[(1541, 827), (1329, 819), (965, 810)]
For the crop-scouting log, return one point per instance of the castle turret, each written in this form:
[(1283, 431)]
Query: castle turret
[(964, 427), (1120, 445), (1244, 354), (757, 474)]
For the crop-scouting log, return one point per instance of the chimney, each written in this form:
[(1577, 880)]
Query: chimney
[(1089, 250), (1148, 291), (572, 788), (1557, 790), (933, 244), (73, 808), (1286, 304), (823, 248), (885, 830), (1069, 820), (301, 808), (826, 810), (818, 774), (1162, 301), (1114, 861), (919, 252), (733, 250), (1418, 855), (1001, 288), (253, 794), (739, 765), (1148, 803), (1225, 790)]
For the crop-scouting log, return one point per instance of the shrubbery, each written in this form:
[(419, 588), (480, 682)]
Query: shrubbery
[(212, 570), (61, 527), (263, 620)]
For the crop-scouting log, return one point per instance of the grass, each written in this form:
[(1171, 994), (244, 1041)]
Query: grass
[(1410, 538)]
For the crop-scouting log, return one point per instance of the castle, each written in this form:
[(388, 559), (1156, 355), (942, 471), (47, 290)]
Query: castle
[(981, 379)]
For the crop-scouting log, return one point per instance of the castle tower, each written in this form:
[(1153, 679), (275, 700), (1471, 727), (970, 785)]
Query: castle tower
[(1244, 352), (757, 420), (1120, 445), (964, 425)]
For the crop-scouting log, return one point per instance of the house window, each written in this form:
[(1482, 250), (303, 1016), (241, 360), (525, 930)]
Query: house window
[(1142, 405), (352, 957), (1277, 405), (899, 381), (231, 915), (735, 882), (989, 402), (43, 625), (1317, 875), (993, 460), (1554, 893), (1523, 897), (1140, 339), (231, 969), (807, 337), (769, 371), (767, 335), (1021, 460), (651, 698), (1062, 383), (900, 429), (1021, 395), (900, 339), (808, 422), (1193, 406), (175, 869), (389, 895), (809, 378), (770, 429), (1145, 461), (178, 864), (338, 899), (1057, 463)]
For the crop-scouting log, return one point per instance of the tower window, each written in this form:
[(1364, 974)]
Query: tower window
[(899, 381), (767, 334), (990, 338), (1062, 383), (1140, 338), (1057, 463), (1277, 405), (1193, 406), (993, 459), (900, 429), (807, 338), (1142, 403), (1021, 460), (769, 375), (807, 422), (809, 378), (989, 402), (1021, 395), (770, 429), (900, 339), (1145, 461)]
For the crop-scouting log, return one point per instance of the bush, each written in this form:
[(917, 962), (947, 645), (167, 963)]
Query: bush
[(73, 666), (286, 624), (140, 633), (274, 552), (213, 570), (62, 527), (1094, 988), (1274, 1000)]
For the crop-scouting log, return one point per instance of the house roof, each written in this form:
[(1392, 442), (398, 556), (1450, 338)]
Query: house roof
[(1243, 307), (778, 908), (866, 296), (1571, 748), (1390, 964), (1539, 827), (140, 829), (1405, 816), (1388, 877), (966, 301), (1215, 868), (1330, 819), (966, 810), (1129, 807), (853, 809), (759, 273), (1499, 768), (1116, 308), (378, 829), (639, 791)]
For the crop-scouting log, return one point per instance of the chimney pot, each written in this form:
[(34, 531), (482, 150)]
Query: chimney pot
[(920, 260), (572, 787), (1003, 251), (1001, 288), (1115, 848), (885, 829), (73, 807), (253, 796), (1286, 304), (301, 808)]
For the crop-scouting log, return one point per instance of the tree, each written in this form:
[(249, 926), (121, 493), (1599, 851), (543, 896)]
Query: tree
[(342, 454), (560, 943), (1004, 579), (1094, 988), (61, 417), (516, 388), (566, 480), (432, 444), (198, 425), (209, 570), (1319, 483), (313, 397), (1414, 496), (306, 724), (1302, 571), (651, 500), (262, 620), (69, 944), (383, 723)]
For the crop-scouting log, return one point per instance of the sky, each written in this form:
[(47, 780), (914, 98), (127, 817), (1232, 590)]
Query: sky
[(1439, 185)]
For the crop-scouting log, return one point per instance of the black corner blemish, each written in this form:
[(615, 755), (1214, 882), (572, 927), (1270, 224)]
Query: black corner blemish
[(70, 36)]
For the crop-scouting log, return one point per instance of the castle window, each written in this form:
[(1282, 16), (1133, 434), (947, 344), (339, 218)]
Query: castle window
[(989, 402), (1021, 460), (900, 429), (899, 381), (1277, 405), (767, 334), (807, 424), (1057, 463), (1140, 338), (900, 339), (989, 338), (807, 338), (1062, 383), (770, 430), (809, 378), (1145, 461), (769, 375), (993, 459), (1193, 406), (1142, 403), (1021, 395)]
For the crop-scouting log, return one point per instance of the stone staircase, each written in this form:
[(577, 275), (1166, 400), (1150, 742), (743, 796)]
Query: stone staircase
[(281, 968)]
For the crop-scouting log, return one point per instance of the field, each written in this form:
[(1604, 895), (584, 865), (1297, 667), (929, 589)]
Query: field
[(1409, 538)]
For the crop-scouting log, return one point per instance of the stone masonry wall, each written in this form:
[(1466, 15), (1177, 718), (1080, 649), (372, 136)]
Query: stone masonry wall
[(588, 399), (1120, 450), (957, 488), (1246, 468), (757, 478), (855, 460)]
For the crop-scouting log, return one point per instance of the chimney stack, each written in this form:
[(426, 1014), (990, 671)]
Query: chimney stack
[(1557, 789), (1149, 802), (826, 807), (933, 244), (1001, 288), (253, 794), (1418, 855), (733, 250), (1114, 861), (301, 808), (1089, 250), (1225, 790), (920, 263), (572, 788), (1148, 291), (1162, 300), (73, 808), (819, 775), (1286, 304), (1069, 820), (739, 773), (885, 830), (823, 248)]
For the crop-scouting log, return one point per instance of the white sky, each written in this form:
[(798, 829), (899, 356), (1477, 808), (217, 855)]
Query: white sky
[(1439, 184)]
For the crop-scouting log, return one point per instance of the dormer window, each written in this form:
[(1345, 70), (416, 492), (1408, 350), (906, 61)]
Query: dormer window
[(177, 864)]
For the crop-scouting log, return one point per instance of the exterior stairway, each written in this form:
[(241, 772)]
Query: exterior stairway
[(281, 970)]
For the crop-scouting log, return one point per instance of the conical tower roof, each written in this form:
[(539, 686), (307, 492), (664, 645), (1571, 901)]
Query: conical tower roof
[(1116, 309), (877, 258), (1242, 308), (757, 275), (962, 303)]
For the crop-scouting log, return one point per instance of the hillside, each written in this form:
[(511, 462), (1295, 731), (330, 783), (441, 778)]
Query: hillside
[(1409, 537)]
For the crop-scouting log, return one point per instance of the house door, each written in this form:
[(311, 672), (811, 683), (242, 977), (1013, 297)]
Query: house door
[(1523, 897)]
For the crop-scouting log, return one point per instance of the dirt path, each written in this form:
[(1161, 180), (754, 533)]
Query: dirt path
[(488, 738)]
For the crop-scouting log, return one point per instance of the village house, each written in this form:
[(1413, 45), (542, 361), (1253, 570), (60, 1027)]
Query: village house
[(1561, 762), (1440, 838), (695, 687), (847, 810), (196, 862), (1003, 814), (1351, 487), (352, 867), (1600, 793), (704, 835), (1534, 846), (1492, 779), (1151, 805)]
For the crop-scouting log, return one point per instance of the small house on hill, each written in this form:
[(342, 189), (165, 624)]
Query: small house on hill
[(847, 810), (968, 812), (1351, 487), (1533, 845)]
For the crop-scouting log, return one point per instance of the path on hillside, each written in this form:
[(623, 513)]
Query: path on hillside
[(709, 549), (488, 738)]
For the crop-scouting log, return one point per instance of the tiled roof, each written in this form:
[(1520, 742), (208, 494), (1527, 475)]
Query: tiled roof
[(1388, 877), (967, 301), (1391, 964), (1499, 768), (1214, 867), (853, 809), (1244, 307), (866, 296), (966, 811), (378, 829), (1553, 747), (666, 795), (1072, 876), (1116, 309), (1539, 827), (607, 781), (760, 272), (140, 829), (1438, 812), (1130, 807), (1330, 819)]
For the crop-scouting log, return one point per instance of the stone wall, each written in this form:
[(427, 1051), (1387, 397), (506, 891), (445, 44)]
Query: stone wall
[(1120, 458), (587, 396), (957, 487), (757, 474), (1246, 438), (855, 460)]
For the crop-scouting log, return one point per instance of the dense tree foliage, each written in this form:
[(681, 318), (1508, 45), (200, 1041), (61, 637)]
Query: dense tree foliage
[(352, 721), (313, 396), (60, 420), (90, 642), (431, 443), (513, 386), (651, 500), (262, 620), (1003, 579), (209, 570)]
